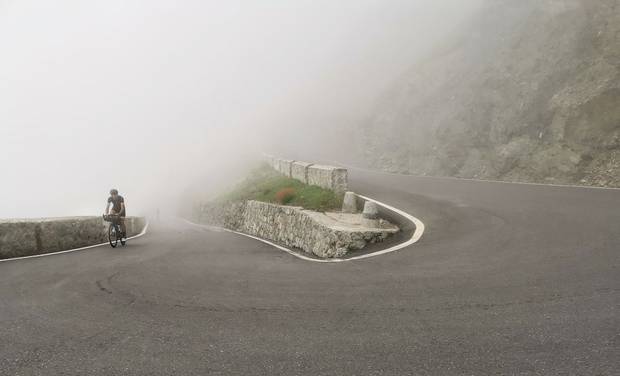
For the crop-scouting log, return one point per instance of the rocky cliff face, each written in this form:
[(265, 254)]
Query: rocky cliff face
[(528, 91)]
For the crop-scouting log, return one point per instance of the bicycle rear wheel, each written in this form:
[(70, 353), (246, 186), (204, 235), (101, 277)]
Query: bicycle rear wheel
[(112, 235)]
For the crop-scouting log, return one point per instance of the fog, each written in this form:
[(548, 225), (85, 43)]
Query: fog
[(163, 99)]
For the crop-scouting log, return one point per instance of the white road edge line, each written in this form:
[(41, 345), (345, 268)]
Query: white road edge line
[(75, 249), (476, 180), (417, 234)]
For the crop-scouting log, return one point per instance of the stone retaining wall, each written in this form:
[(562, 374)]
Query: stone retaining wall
[(329, 177), (285, 167), (299, 171), (35, 236), (287, 225)]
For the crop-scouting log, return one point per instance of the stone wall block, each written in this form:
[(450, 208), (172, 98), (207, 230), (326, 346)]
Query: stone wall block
[(299, 171), (340, 180), (285, 167), (29, 237), (328, 177), (321, 176)]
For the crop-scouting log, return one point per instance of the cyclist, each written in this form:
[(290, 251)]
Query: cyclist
[(118, 207)]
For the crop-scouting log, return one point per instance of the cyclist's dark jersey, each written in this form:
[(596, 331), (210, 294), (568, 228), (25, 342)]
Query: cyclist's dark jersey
[(116, 204)]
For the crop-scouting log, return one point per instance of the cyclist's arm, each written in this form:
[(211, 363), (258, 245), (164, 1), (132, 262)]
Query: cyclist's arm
[(107, 209), (122, 207)]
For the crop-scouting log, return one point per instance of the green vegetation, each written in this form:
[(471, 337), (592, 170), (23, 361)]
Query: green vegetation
[(264, 184)]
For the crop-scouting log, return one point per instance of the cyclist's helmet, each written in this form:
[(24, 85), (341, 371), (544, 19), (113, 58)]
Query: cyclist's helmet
[(113, 191)]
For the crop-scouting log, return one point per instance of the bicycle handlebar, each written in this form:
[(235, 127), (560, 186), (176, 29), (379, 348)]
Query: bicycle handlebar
[(110, 217)]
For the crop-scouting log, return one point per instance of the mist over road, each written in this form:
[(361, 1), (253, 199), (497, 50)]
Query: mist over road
[(159, 100), (508, 278)]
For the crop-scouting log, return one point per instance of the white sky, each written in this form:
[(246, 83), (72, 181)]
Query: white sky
[(151, 96)]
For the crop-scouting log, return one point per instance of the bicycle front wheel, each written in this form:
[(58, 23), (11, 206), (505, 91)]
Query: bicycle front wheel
[(112, 232)]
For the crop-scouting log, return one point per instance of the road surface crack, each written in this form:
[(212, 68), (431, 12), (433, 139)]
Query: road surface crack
[(98, 283), (109, 280)]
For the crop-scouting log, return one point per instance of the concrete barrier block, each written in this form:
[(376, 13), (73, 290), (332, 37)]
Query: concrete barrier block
[(340, 180), (371, 210), (349, 204), (286, 167), (72, 232), (18, 238), (321, 176), (328, 177), (299, 171)]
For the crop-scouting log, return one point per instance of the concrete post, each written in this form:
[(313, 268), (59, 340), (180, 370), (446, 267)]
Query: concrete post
[(339, 180), (349, 204), (370, 215)]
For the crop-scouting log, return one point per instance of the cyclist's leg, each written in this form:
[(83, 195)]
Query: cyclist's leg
[(123, 228), (121, 221)]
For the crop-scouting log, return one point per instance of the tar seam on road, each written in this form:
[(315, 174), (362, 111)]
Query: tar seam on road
[(417, 234), (75, 249)]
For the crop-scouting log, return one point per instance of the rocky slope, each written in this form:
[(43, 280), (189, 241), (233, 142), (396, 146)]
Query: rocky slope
[(526, 91)]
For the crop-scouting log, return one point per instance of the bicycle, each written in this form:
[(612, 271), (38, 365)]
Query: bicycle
[(114, 231)]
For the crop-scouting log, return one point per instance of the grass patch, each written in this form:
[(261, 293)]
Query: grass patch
[(266, 185)]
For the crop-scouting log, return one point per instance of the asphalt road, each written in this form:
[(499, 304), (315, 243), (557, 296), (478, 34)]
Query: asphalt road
[(507, 279)]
